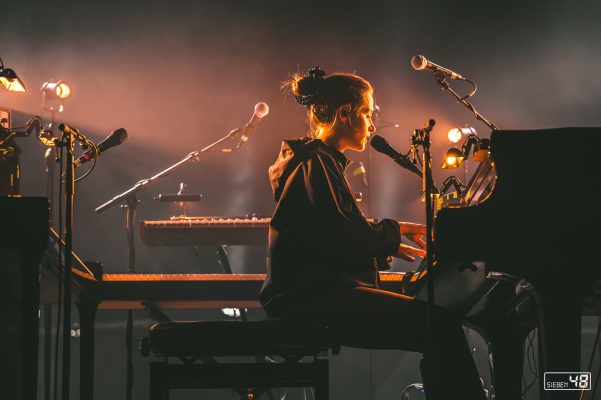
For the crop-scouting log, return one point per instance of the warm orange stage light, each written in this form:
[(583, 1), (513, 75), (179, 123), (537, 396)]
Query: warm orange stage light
[(11, 81), (59, 90), (454, 135), (453, 159)]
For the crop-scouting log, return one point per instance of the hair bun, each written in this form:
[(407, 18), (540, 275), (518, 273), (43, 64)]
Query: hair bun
[(316, 73), (309, 86)]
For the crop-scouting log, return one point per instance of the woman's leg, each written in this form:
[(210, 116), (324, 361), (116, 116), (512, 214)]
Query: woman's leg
[(377, 319)]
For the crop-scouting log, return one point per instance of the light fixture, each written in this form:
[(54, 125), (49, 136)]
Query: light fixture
[(56, 90), (453, 158), (10, 80), (456, 134)]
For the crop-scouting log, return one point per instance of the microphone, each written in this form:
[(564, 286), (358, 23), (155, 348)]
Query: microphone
[(114, 139), (420, 62), (381, 145), (261, 110)]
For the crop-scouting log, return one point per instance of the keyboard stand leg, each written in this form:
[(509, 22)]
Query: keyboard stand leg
[(47, 309), (87, 317), (30, 306), (225, 263)]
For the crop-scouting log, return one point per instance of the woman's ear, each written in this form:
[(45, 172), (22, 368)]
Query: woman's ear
[(344, 111)]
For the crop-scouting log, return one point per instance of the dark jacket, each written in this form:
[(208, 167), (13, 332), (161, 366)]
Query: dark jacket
[(318, 237)]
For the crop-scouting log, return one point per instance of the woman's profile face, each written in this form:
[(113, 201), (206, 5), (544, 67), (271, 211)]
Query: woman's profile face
[(361, 125)]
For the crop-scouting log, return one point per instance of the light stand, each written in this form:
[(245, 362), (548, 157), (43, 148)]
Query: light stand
[(51, 93)]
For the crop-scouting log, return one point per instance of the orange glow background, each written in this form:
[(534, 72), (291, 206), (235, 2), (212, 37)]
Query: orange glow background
[(179, 75)]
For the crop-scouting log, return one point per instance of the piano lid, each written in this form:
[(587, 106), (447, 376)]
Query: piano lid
[(542, 215)]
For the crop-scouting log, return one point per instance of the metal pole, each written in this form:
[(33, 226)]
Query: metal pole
[(69, 192)]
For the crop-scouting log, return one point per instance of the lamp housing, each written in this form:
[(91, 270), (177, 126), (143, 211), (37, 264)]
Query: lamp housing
[(10, 80)]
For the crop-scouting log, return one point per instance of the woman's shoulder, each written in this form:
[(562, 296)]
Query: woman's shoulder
[(299, 149), (300, 145)]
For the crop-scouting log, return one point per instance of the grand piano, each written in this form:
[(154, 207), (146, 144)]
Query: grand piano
[(540, 224)]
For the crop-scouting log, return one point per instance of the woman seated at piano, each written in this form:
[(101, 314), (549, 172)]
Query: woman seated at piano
[(325, 255)]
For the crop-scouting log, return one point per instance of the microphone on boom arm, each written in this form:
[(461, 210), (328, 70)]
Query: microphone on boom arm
[(261, 110), (420, 63)]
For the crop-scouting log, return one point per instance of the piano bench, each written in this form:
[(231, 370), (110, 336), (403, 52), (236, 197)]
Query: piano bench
[(193, 342)]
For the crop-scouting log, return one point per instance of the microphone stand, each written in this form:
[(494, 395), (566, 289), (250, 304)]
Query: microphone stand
[(440, 79), (130, 204), (67, 142), (421, 137), (141, 185)]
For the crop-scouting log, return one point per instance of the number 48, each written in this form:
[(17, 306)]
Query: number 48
[(580, 381)]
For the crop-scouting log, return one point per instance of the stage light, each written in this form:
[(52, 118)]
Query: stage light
[(455, 157), (452, 159), (456, 134), (57, 90), (10, 80)]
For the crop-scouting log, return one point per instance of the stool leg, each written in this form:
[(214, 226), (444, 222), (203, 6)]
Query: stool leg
[(322, 380)]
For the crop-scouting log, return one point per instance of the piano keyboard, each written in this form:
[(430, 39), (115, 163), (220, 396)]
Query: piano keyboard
[(191, 231), (135, 291), (181, 277)]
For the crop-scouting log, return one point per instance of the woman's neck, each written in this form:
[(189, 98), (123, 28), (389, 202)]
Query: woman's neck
[(331, 139)]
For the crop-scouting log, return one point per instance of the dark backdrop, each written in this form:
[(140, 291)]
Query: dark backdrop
[(180, 74)]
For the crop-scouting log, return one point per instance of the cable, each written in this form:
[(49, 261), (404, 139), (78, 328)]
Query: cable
[(473, 92), (34, 122), (530, 353), (95, 152), (527, 388)]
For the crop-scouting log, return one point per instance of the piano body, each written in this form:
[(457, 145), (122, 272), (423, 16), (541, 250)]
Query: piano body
[(539, 224)]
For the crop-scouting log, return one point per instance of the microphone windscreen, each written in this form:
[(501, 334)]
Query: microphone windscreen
[(114, 139), (419, 62), (261, 109), (381, 145)]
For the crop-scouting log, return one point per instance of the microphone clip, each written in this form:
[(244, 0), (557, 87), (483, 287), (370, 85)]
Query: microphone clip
[(248, 128), (421, 136)]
